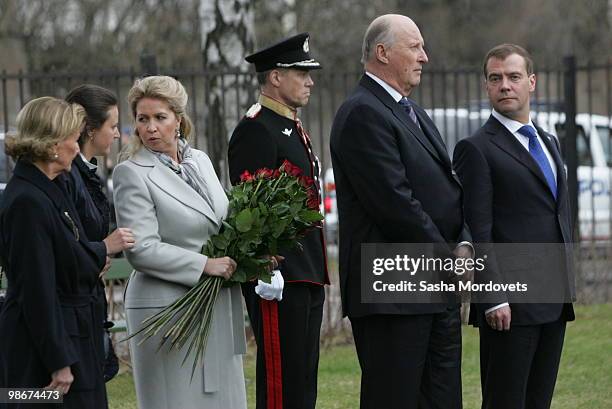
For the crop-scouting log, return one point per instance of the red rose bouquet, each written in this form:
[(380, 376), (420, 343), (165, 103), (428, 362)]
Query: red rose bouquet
[(268, 211)]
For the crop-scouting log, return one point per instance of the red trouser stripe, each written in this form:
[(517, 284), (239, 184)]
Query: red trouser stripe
[(274, 379)]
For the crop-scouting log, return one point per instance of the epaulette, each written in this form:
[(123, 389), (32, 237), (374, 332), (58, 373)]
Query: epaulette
[(253, 110)]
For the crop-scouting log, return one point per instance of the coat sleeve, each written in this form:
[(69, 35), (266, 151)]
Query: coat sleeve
[(32, 264), (250, 148), (136, 209), (475, 175), (76, 191), (369, 156)]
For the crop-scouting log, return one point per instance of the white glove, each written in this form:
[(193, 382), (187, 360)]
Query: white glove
[(271, 291)]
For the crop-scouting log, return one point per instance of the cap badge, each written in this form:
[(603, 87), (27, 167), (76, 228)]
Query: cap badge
[(305, 46), (287, 131)]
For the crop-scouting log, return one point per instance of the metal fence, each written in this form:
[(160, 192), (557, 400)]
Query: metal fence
[(455, 99)]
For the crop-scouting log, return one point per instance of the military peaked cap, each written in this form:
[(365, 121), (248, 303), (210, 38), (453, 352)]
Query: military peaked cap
[(293, 52)]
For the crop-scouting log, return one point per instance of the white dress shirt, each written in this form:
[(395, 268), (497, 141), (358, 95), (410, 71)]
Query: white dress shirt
[(513, 126), (88, 163), (392, 91)]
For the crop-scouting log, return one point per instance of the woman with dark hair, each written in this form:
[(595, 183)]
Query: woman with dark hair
[(85, 187), (50, 324), (96, 139)]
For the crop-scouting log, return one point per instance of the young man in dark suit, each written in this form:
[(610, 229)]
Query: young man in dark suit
[(395, 184), (286, 321), (516, 192)]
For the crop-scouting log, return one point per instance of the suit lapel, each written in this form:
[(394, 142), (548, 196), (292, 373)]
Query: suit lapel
[(555, 153), (171, 183), (400, 114), (508, 143), (432, 134)]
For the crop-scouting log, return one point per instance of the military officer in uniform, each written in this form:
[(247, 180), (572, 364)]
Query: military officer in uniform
[(286, 325)]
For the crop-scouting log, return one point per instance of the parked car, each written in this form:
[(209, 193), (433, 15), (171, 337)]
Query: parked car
[(330, 208)]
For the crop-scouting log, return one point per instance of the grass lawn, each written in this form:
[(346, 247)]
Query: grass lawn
[(584, 382)]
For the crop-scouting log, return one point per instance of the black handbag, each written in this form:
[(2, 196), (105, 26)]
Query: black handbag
[(111, 362), (110, 366)]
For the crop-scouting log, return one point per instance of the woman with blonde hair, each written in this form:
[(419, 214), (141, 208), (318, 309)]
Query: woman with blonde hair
[(51, 323), (169, 195)]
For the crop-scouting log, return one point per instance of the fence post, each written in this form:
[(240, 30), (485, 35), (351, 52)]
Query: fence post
[(148, 64), (5, 112), (571, 131)]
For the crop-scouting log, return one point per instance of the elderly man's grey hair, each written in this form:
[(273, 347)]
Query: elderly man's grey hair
[(378, 32)]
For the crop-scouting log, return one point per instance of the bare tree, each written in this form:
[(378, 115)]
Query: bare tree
[(227, 35), (459, 32), (89, 34), (72, 35)]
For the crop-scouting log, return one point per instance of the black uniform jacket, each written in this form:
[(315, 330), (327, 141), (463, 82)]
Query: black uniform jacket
[(264, 138), (509, 201), (49, 319), (394, 184)]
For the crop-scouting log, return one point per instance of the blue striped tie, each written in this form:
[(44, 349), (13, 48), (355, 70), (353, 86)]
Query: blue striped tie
[(540, 157)]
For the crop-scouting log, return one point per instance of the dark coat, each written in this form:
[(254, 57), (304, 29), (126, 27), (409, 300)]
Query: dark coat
[(259, 142), (509, 201), (85, 189), (51, 318), (394, 184)]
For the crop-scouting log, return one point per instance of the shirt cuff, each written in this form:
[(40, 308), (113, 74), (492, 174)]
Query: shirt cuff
[(467, 243), (505, 304)]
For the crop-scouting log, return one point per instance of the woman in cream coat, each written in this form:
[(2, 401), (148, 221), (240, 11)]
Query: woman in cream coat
[(171, 198)]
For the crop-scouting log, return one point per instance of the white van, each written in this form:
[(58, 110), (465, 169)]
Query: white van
[(594, 170)]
